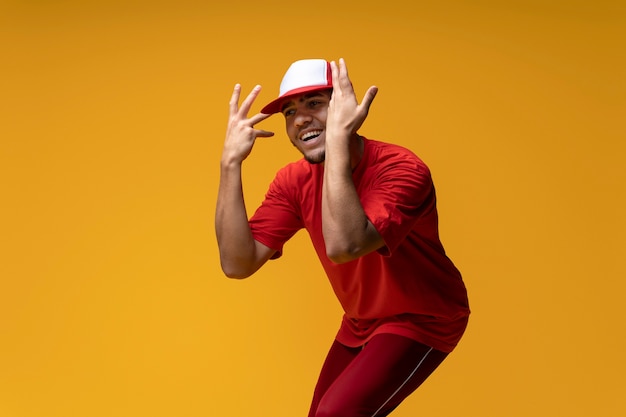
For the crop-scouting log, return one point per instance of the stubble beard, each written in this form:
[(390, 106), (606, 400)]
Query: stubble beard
[(318, 158)]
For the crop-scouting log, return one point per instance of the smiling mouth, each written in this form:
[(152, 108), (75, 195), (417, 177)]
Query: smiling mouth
[(310, 135)]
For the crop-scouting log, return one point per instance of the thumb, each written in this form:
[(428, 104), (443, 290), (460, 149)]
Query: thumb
[(263, 133), (369, 97)]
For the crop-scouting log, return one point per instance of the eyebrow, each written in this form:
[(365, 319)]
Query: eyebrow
[(304, 97)]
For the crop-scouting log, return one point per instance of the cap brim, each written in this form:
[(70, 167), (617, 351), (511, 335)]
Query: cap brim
[(275, 106)]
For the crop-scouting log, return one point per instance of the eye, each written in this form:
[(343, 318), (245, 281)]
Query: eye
[(288, 112)]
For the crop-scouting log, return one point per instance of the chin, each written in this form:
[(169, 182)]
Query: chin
[(315, 159)]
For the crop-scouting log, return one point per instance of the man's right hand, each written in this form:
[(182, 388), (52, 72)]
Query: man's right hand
[(240, 133)]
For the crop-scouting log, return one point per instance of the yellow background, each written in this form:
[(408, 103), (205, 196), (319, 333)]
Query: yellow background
[(112, 116)]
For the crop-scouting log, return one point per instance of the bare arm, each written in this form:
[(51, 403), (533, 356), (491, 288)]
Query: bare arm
[(240, 254), (348, 233)]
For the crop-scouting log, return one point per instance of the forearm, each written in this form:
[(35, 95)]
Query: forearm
[(234, 238), (348, 233)]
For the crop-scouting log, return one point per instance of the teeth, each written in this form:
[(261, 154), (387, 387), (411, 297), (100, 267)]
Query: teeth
[(310, 135)]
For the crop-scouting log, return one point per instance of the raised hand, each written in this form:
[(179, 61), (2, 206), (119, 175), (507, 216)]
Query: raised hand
[(345, 114), (240, 133)]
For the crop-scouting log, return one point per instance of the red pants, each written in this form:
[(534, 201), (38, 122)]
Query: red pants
[(372, 381)]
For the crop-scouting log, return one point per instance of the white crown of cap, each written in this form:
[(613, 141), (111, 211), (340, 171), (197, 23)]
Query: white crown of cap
[(304, 73)]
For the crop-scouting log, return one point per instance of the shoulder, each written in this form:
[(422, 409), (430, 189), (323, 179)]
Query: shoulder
[(384, 154), (297, 177)]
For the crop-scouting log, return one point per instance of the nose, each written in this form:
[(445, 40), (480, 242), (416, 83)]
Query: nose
[(302, 118)]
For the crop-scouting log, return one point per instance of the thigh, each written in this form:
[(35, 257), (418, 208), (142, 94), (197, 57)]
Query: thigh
[(338, 358), (379, 377)]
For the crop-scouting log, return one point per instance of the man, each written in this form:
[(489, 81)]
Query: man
[(370, 209)]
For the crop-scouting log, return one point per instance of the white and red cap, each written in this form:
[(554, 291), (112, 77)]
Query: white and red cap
[(302, 77)]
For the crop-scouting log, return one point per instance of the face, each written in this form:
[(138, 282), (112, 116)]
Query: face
[(305, 119)]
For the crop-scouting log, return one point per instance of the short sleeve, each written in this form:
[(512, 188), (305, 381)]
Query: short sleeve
[(277, 219), (397, 195)]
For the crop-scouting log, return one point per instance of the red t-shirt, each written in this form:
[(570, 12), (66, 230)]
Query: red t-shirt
[(409, 286)]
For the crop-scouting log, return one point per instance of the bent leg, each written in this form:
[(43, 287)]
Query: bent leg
[(338, 358), (376, 379)]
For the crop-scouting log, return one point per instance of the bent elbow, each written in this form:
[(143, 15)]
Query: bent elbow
[(340, 259), (235, 271), (341, 255), (235, 274), (350, 251)]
